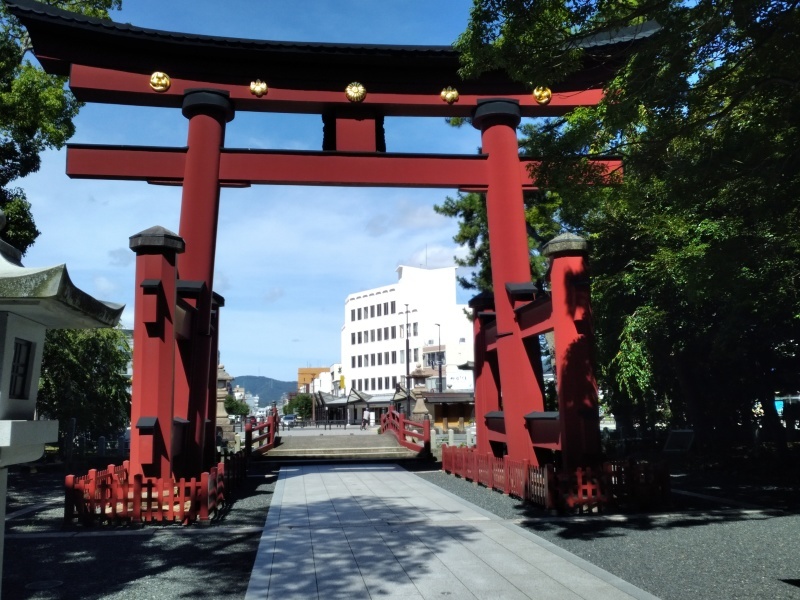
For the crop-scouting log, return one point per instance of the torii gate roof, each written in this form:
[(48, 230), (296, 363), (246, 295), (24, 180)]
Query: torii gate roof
[(63, 40)]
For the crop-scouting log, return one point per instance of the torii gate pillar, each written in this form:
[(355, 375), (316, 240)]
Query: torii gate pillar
[(208, 110), (574, 343), (152, 408), (508, 239)]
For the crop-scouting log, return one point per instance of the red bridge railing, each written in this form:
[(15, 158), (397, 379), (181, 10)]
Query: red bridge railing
[(414, 435), (616, 483), (261, 438)]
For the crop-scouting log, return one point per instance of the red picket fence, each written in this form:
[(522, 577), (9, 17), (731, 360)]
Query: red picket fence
[(613, 484), (403, 428), (111, 495)]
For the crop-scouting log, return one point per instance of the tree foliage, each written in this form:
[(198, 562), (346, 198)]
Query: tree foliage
[(84, 376), (236, 407), (300, 405), (36, 113), (695, 253)]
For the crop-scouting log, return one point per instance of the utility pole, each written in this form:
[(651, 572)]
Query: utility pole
[(408, 369), (440, 357)]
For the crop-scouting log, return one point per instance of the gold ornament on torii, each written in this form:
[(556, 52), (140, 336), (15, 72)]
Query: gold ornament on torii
[(450, 94), (355, 92), (258, 88), (542, 94), (160, 81)]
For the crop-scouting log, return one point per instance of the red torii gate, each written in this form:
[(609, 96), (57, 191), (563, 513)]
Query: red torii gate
[(210, 79)]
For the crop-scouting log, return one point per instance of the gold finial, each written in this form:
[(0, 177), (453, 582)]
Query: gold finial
[(542, 94), (450, 94), (355, 92), (160, 82), (258, 88)]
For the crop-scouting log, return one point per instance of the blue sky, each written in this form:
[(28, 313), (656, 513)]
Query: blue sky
[(286, 256)]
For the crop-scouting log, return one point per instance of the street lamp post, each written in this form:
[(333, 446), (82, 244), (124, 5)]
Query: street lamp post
[(408, 369), (439, 357)]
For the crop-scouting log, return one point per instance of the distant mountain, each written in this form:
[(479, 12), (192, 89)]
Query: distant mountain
[(268, 390)]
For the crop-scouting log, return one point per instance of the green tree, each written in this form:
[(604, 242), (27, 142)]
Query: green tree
[(236, 407), (695, 251), (300, 405), (36, 113), (84, 376)]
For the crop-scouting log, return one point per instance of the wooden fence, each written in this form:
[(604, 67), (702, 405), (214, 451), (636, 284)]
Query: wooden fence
[(112, 495), (628, 483)]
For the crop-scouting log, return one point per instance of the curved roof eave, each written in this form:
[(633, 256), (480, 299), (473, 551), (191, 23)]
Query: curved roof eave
[(48, 296)]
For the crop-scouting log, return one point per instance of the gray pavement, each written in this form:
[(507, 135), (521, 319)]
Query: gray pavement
[(367, 531)]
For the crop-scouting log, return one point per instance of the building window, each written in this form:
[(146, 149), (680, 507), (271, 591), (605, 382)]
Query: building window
[(416, 332), (380, 359), (20, 369), (392, 307), (359, 314), (380, 332), (402, 331), (372, 361), (394, 357), (379, 310), (359, 384), (353, 314), (373, 383), (359, 337), (372, 335), (462, 340), (394, 332), (359, 360), (386, 308), (372, 311), (402, 357), (353, 338), (366, 360), (394, 382), (380, 383), (353, 362), (386, 357), (366, 385), (386, 382), (416, 354)]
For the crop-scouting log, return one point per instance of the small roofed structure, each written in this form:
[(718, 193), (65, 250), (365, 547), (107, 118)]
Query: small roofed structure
[(33, 300)]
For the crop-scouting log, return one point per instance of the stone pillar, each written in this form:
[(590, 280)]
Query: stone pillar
[(574, 341), (208, 111), (508, 241), (153, 351)]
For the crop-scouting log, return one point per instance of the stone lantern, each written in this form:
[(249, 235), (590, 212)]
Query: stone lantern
[(33, 300)]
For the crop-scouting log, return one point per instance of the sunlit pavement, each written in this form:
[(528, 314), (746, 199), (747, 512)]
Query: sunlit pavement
[(368, 531)]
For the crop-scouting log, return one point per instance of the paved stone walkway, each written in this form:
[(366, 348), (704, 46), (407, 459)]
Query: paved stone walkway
[(377, 531)]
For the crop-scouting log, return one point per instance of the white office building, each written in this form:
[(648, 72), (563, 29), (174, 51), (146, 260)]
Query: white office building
[(419, 309)]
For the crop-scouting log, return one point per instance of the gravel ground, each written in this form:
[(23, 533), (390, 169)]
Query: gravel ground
[(699, 549), (46, 560)]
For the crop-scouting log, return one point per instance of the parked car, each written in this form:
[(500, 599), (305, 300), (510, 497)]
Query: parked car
[(289, 420)]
